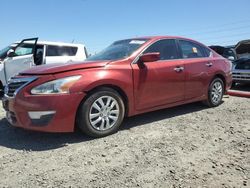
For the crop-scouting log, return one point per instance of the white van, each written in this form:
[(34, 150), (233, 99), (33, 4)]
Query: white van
[(31, 52)]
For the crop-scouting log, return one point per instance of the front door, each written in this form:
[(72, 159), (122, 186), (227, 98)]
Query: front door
[(161, 82), (21, 59)]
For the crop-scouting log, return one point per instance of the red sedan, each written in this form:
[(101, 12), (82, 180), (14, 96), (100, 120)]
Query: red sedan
[(130, 77)]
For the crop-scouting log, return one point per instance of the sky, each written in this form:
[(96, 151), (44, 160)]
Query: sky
[(98, 23)]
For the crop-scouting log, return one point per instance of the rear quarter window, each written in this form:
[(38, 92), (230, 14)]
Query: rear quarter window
[(207, 52), (61, 50)]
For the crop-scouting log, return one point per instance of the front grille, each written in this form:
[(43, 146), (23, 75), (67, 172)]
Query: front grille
[(241, 76), (17, 83), (13, 87)]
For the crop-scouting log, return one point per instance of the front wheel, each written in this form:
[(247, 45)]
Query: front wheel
[(215, 93), (101, 113)]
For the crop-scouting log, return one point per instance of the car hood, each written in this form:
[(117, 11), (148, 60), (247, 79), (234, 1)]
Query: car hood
[(243, 48), (62, 67)]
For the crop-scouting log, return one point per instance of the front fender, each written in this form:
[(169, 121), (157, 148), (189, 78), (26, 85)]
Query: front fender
[(117, 78)]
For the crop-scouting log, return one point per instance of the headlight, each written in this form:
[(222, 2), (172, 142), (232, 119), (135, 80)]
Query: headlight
[(60, 86)]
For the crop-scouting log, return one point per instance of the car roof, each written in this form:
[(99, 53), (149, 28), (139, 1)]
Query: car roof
[(162, 37), (155, 38), (55, 43)]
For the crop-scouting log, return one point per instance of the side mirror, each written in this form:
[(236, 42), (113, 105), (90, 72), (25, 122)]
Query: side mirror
[(11, 53), (231, 58), (150, 57)]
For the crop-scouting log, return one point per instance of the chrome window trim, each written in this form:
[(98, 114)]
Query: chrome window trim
[(138, 56)]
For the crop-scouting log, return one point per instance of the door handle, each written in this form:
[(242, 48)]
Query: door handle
[(209, 64), (179, 69)]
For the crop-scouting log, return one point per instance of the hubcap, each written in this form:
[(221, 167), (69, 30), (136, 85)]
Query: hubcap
[(217, 92), (104, 113)]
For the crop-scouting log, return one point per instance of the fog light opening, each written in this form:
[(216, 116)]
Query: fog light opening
[(41, 118), (39, 114)]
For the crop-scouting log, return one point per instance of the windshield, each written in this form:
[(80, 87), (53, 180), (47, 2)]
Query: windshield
[(118, 50), (3, 52)]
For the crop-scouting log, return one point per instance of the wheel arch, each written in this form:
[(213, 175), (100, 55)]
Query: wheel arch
[(222, 77), (208, 100), (118, 89)]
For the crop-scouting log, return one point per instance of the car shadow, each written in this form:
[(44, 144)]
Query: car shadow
[(159, 115), (241, 87), (19, 139)]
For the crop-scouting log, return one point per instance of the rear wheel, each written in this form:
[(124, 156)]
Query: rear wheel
[(101, 113), (215, 93)]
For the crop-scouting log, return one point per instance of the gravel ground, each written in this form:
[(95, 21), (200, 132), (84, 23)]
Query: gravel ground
[(186, 146)]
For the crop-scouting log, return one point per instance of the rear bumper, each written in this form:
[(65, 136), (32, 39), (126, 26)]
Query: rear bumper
[(43, 113)]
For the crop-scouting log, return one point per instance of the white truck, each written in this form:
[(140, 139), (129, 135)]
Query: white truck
[(31, 52)]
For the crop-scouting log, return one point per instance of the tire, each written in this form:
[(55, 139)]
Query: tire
[(101, 114), (216, 91)]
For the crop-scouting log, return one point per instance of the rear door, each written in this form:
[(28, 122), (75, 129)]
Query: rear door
[(198, 68), (21, 59)]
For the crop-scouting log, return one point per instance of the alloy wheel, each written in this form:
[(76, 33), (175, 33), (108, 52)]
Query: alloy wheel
[(217, 92), (104, 113)]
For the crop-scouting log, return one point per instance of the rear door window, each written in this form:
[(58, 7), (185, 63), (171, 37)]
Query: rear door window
[(61, 50), (192, 50)]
